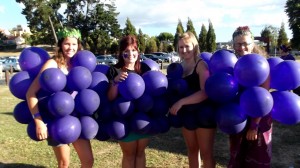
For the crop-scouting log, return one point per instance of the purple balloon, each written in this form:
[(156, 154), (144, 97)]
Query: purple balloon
[(31, 131), (251, 70), (160, 107), (156, 83), (144, 103), (222, 61), (174, 70), (89, 127), (123, 108), (99, 83), (19, 84), (32, 59), (286, 109), (61, 104), (221, 87), (87, 102), (79, 78), (273, 61), (132, 87), (22, 113), (101, 68), (102, 134), (53, 80), (65, 130), (149, 65), (230, 118), (117, 129), (140, 123), (206, 56), (84, 58), (286, 75), (256, 102)]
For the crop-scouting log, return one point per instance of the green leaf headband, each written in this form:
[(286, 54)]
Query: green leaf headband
[(67, 32)]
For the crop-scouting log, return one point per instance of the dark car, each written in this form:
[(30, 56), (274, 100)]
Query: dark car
[(154, 57)]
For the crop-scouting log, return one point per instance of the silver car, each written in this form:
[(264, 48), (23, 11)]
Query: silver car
[(106, 59), (11, 62)]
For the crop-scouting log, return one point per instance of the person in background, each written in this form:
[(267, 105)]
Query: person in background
[(67, 46), (285, 54), (133, 146), (195, 72), (253, 146)]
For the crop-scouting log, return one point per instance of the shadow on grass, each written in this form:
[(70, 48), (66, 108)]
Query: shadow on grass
[(8, 113), (16, 165)]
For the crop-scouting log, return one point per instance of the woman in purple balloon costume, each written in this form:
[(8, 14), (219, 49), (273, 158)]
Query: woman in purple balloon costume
[(133, 145), (68, 45), (199, 139), (251, 147)]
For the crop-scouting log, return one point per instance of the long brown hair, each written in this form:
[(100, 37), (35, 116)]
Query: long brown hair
[(124, 43), (59, 56)]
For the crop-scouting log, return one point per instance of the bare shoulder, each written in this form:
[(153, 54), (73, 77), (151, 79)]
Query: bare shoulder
[(51, 63)]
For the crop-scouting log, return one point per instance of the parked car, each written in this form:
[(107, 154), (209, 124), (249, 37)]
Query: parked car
[(143, 57), (163, 56), (154, 57), (106, 59), (11, 62)]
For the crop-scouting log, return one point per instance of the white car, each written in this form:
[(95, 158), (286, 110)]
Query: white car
[(11, 62), (106, 59)]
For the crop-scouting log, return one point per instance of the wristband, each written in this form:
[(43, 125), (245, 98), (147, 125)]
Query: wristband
[(36, 115)]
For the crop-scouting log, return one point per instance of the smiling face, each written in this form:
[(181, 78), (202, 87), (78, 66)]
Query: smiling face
[(243, 45), (130, 54), (69, 47), (185, 49)]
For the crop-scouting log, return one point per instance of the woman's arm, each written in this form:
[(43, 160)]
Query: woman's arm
[(32, 101)]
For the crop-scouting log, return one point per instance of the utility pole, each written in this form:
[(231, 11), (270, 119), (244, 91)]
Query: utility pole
[(54, 34)]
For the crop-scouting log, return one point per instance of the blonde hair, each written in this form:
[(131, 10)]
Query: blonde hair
[(189, 37)]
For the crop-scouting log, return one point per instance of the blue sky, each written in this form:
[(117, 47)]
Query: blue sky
[(156, 16)]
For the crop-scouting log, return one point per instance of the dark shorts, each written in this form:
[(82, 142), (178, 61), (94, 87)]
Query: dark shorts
[(53, 143), (200, 115)]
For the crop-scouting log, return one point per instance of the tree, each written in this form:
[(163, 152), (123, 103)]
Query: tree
[(96, 20), (202, 39), (190, 27), (165, 39), (270, 32), (292, 9), (179, 31), (141, 41), (151, 45), (282, 36), (211, 38), (129, 28)]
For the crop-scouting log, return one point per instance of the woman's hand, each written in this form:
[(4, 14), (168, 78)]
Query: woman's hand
[(121, 77), (41, 130), (176, 107)]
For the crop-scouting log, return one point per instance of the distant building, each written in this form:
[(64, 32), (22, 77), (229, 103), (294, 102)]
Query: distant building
[(19, 30)]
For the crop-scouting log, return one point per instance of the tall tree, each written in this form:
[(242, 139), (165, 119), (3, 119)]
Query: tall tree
[(96, 19), (292, 8), (151, 45), (129, 28), (282, 36), (211, 38), (272, 33), (202, 39), (179, 31), (38, 15), (141, 41), (190, 27)]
